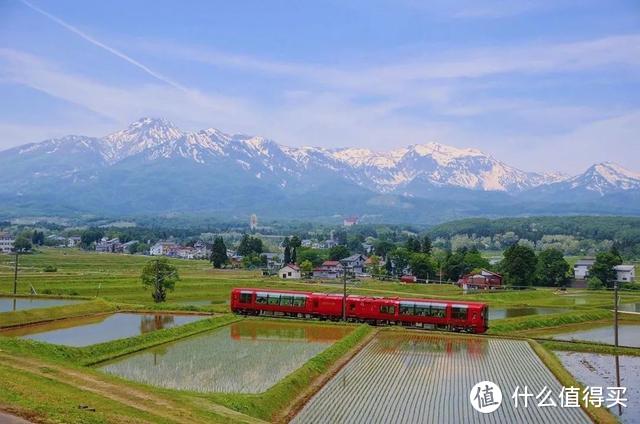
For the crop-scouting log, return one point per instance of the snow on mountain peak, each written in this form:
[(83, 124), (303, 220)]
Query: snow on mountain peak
[(139, 136)]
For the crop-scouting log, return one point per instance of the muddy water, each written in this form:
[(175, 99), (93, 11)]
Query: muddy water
[(98, 329), (247, 357), (628, 335), (501, 313), (596, 370), (10, 304)]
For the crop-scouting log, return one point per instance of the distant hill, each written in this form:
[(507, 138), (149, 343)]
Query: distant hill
[(154, 168)]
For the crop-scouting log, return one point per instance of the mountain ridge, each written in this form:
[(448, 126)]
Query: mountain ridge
[(153, 151)]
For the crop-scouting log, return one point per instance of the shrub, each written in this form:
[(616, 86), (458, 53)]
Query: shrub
[(50, 268), (594, 283)]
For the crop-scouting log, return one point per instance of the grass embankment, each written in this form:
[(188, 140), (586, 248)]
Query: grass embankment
[(272, 404), (599, 415), (514, 325), (589, 347), (109, 350), (31, 316)]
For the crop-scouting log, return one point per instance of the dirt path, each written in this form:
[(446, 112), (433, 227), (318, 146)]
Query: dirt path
[(130, 396), (12, 419)]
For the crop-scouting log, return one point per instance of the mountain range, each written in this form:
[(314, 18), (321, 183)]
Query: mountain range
[(154, 168)]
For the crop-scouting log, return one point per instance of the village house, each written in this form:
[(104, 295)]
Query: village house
[(6, 242), (582, 267), (109, 245), (162, 248), (328, 270), (354, 263), (274, 260), (625, 273), (74, 241), (290, 272), (483, 279)]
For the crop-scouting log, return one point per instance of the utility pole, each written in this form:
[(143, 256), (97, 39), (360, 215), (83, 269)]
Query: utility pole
[(344, 295), (15, 275), (615, 312)]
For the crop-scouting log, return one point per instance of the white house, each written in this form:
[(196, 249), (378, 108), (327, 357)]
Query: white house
[(6, 243), (582, 267), (328, 269), (354, 263), (162, 248), (625, 273), (290, 272)]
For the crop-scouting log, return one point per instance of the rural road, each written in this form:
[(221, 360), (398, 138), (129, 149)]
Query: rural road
[(12, 419)]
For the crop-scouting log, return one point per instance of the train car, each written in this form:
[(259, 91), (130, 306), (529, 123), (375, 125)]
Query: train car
[(423, 313), (271, 302)]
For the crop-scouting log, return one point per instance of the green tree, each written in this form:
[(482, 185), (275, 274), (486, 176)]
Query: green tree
[(552, 268), (22, 244), (160, 275), (413, 245), (37, 238), (422, 266), (306, 267), (594, 283), (388, 266), (315, 256), (400, 258), (249, 245), (519, 265), (383, 247), (374, 268), (295, 244), (603, 267), (338, 252), (90, 236), (219, 253), (254, 260), (426, 245)]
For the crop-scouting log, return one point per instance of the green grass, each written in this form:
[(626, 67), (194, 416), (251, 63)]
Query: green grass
[(515, 325)]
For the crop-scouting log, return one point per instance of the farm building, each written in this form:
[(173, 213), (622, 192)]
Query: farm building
[(483, 279), (582, 267), (290, 272), (328, 269), (354, 263), (625, 273), (6, 243)]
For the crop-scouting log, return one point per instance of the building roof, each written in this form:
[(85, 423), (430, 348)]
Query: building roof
[(331, 263), (624, 267), (292, 266), (585, 262), (354, 257)]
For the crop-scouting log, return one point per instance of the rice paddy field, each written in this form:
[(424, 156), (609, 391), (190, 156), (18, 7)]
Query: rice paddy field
[(244, 357), (427, 379), (93, 347)]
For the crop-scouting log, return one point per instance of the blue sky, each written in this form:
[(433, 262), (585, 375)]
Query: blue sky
[(543, 85)]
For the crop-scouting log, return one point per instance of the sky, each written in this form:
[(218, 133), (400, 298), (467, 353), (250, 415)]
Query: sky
[(541, 85)]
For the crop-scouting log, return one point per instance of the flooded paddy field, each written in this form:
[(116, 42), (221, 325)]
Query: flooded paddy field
[(79, 332), (11, 304), (414, 378), (501, 313), (597, 370), (628, 335), (244, 357)]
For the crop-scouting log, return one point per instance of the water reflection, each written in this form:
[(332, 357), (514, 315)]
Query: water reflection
[(86, 331), (598, 370), (629, 335), (501, 313), (12, 304), (247, 357)]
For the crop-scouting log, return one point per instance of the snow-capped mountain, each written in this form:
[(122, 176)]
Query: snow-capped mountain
[(150, 163)]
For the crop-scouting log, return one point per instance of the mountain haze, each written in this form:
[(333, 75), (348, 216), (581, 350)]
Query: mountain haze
[(153, 167)]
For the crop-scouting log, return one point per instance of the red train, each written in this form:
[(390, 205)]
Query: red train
[(470, 317)]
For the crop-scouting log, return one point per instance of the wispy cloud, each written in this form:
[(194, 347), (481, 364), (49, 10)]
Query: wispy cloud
[(104, 46)]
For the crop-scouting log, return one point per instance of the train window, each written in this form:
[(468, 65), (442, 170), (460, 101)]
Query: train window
[(422, 310), (261, 298), (437, 311), (406, 308), (245, 297), (299, 301), (352, 306), (286, 300), (458, 312), (384, 309), (274, 299)]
